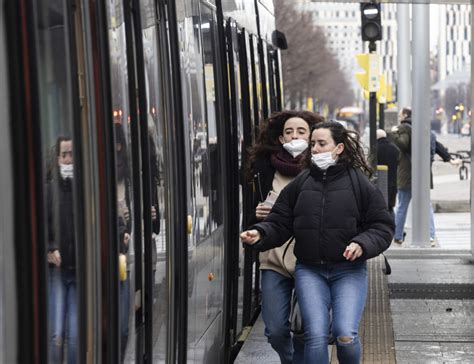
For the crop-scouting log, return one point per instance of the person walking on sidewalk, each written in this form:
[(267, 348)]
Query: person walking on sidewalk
[(401, 136), (388, 155), (275, 160), (334, 237)]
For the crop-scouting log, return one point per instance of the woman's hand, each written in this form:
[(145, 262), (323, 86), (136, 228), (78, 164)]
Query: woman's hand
[(352, 252), (262, 211), (126, 238), (250, 237), (54, 257)]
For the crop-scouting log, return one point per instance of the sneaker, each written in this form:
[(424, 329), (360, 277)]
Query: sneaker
[(433, 242), (399, 242)]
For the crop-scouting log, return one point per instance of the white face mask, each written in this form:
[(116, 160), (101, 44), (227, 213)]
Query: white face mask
[(66, 170), (323, 160), (296, 147)]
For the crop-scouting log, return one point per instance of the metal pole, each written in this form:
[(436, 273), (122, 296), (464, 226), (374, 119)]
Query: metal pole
[(472, 143), (381, 115), (420, 156), (403, 56), (373, 120)]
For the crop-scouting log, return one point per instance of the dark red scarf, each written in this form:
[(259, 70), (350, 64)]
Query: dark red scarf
[(286, 164)]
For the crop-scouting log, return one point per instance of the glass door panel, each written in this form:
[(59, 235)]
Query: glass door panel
[(124, 183)]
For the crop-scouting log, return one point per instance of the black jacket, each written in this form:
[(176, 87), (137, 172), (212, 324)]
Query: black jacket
[(388, 155), (61, 221), (319, 208)]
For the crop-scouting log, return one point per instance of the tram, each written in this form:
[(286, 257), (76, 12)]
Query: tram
[(157, 101)]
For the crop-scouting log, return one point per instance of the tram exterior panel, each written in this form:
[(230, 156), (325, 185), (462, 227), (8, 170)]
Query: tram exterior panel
[(157, 108)]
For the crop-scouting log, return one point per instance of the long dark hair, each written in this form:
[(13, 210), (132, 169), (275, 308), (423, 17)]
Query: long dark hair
[(271, 129), (353, 153), (121, 156)]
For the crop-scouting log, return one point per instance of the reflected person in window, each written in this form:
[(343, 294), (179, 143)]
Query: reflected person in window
[(61, 256)]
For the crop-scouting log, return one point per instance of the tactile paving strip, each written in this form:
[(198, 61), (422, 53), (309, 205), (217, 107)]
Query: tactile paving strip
[(439, 291), (376, 329)]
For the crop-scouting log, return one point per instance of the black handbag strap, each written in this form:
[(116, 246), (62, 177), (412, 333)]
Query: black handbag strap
[(284, 255), (354, 177)]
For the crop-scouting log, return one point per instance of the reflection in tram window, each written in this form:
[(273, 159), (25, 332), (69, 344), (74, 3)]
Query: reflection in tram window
[(155, 124), (53, 71), (124, 170), (209, 41), (62, 256), (124, 231), (196, 128)]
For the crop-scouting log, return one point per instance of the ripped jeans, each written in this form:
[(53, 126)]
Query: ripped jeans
[(341, 287)]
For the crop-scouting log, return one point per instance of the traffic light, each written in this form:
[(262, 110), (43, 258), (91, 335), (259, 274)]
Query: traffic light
[(371, 28), (368, 80)]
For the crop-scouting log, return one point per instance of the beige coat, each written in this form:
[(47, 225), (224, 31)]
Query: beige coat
[(273, 259)]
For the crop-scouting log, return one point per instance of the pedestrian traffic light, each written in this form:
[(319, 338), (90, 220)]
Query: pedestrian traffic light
[(371, 28), (368, 80)]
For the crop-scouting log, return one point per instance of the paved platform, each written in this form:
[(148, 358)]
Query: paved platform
[(433, 330), (425, 330)]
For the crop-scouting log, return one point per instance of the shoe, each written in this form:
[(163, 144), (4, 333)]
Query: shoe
[(399, 242), (433, 242)]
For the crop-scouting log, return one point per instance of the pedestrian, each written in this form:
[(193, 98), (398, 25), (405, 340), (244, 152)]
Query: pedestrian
[(401, 136), (388, 155), (275, 160), (334, 236)]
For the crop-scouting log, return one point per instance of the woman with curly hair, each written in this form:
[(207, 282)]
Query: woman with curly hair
[(275, 159)]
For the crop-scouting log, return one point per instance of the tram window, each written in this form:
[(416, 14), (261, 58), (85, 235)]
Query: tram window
[(197, 153), (209, 42), (124, 169), (57, 117), (155, 124)]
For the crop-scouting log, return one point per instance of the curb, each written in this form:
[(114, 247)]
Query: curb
[(451, 206)]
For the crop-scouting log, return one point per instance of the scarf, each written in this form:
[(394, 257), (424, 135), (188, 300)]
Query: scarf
[(284, 163)]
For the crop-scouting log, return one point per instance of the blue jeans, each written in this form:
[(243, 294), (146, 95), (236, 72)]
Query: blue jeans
[(276, 301), (62, 304), (404, 198), (124, 310), (342, 288)]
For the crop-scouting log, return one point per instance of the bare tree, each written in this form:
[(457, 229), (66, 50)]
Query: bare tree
[(309, 68)]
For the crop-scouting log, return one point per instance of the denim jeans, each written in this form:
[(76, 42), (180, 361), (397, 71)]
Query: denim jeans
[(62, 304), (342, 288), (276, 301), (404, 198), (124, 311)]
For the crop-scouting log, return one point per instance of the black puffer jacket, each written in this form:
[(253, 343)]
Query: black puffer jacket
[(319, 208), (61, 221)]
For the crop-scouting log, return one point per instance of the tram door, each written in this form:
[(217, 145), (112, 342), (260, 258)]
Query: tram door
[(136, 54), (235, 161), (203, 144)]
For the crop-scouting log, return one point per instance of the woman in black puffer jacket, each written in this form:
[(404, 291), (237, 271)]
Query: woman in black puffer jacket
[(334, 238)]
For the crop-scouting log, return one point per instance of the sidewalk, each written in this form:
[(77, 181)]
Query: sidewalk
[(453, 231), (430, 330)]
